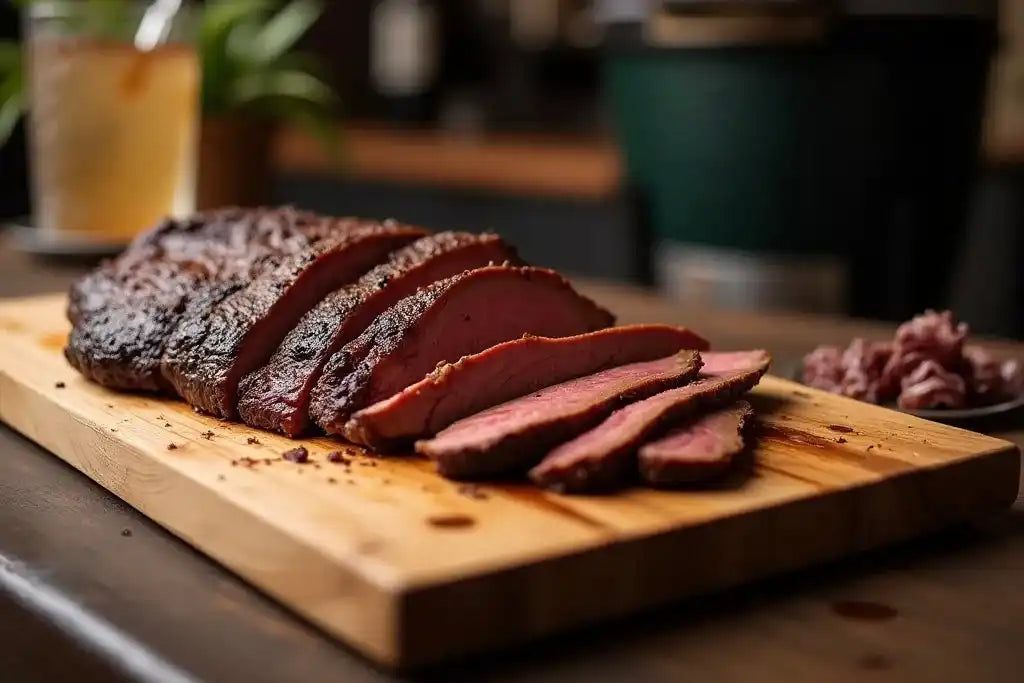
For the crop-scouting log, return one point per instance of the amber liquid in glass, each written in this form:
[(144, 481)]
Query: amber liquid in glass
[(113, 135)]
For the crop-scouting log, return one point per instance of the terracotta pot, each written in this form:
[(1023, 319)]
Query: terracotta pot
[(234, 163)]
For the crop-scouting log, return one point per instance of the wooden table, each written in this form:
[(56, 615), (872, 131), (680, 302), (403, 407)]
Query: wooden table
[(92, 590)]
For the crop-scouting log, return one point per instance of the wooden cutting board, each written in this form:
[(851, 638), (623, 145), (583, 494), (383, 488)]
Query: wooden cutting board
[(410, 568)]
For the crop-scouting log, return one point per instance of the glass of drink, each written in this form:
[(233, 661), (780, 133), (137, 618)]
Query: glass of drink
[(113, 94)]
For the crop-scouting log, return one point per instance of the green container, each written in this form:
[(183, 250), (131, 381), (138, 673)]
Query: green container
[(729, 146), (805, 165)]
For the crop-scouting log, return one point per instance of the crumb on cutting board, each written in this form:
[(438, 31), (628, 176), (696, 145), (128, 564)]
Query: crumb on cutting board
[(297, 455), (338, 458)]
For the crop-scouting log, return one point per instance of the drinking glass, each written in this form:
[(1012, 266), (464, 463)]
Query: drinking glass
[(113, 90)]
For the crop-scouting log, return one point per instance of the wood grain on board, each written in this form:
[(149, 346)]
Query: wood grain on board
[(411, 569)]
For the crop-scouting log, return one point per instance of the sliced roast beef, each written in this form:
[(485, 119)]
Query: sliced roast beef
[(124, 311), (276, 396), (214, 347), (463, 314), (604, 457), (511, 437), (217, 245), (697, 451), (726, 362), (504, 372)]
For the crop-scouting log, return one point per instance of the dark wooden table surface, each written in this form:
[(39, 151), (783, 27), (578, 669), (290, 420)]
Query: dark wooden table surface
[(90, 590)]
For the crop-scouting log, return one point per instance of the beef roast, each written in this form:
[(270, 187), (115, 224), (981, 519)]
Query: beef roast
[(506, 371), (697, 451), (604, 457), (124, 311), (276, 396), (216, 244), (214, 347), (463, 314), (512, 436)]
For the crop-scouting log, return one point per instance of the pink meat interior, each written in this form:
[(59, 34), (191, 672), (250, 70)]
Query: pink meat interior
[(489, 310)]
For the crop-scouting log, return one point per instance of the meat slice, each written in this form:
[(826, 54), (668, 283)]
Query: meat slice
[(214, 347), (603, 458), (697, 451), (504, 372), (124, 312), (216, 244), (717, 363), (463, 314), (276, 396), (511, 437)]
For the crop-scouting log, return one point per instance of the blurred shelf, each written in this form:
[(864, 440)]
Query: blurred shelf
[(1003, 137), (506, 163), (1003, 143), (1007, 151), (526, 164)]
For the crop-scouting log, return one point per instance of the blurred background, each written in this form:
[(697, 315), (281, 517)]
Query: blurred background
[(851, 157)]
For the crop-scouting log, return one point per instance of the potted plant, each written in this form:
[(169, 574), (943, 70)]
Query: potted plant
[(252, 81)]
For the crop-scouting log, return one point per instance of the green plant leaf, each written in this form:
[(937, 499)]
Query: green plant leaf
[(220, 16), (10, 57), (284, 29), (220, 19), (296, 96), (285, 84), (298, 61), (110, 19), (11, 108), (239, 44)]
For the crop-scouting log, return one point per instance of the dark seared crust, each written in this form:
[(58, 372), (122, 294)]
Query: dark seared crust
[(523, 445), (663, 467), (276, 396), (189, 334), (211, 245), (124, 311), (589, 464), (345, 384), (204, 359), (121, 346), (120, 341)]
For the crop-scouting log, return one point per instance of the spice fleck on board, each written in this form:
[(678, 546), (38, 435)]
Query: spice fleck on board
[(297, 455), (454, 521), (863, 610)]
